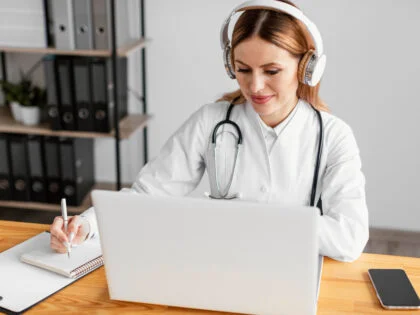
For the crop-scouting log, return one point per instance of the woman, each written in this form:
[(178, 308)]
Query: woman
[(286, 132)]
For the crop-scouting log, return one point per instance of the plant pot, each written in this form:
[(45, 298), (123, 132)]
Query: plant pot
[(31, 115), (16, 109)]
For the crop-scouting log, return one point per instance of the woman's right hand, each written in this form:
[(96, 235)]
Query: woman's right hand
[(77, 230)]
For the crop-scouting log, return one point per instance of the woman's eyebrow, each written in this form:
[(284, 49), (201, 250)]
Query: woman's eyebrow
[(265, 65)]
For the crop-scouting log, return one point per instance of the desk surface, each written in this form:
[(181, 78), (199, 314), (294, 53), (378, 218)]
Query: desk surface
[(345, 287)]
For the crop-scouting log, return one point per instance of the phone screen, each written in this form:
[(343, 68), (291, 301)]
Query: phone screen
[(393, 288)]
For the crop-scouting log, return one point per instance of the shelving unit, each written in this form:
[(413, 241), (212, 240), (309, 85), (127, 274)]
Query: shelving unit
[(121, 52), (128, 125), (122, 129), (56, 207)]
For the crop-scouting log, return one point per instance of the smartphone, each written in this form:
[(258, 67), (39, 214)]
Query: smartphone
[(394, 289)]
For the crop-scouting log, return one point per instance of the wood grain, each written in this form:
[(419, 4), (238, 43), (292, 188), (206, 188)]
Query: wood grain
[(345, 287)]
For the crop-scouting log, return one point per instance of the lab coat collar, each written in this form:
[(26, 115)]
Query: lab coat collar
[(262, 128)]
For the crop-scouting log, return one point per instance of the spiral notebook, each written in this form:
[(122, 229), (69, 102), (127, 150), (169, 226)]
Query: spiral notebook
[(83, 259)]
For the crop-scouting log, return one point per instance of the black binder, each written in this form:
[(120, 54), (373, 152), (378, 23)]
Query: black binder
[(20, 167), (53, 172), (37, 168), (66, 92), (53, 109), (82, 94), (103, 86), (77, 165), (5, 181)]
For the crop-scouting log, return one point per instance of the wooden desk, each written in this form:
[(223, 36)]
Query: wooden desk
[(345, 287)]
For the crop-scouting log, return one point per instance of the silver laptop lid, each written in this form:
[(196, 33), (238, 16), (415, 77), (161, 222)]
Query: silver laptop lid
[(209, 254)]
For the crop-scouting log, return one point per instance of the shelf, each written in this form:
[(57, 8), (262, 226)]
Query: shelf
[(86, 203), (122, 51), (128, 125)]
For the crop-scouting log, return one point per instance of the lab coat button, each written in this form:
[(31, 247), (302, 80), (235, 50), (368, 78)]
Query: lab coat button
[(263, 189)]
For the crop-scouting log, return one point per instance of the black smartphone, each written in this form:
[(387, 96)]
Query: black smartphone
[(394, 289)]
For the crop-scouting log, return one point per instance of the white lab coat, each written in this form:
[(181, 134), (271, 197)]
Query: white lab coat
[(281, 174)]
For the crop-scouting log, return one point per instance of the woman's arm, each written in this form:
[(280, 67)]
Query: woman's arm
[(344, 227), (176, 170)]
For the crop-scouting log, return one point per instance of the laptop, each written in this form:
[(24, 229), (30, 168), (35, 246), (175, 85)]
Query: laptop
[(234, 256)]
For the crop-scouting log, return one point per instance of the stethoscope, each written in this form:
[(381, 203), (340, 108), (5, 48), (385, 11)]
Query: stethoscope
[(223, 194)]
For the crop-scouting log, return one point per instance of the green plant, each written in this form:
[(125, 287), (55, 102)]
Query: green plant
[(24, 93)]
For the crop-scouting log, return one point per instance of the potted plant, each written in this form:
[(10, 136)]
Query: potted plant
[(26, 100)]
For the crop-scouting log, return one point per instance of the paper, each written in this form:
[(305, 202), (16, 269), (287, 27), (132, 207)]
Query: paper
[(44, 257)]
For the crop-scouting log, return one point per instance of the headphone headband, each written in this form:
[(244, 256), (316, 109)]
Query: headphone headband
[(274, 5), (314, 66)]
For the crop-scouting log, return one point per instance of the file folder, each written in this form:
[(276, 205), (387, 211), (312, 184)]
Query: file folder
[(62, 15), (101, 13), (83, 27), (82, 94), (5, 186), (53, 110), (37, 169), (65, 88), (77, 165), (20, 167), (53, 172), (23, 286), (103, 97)]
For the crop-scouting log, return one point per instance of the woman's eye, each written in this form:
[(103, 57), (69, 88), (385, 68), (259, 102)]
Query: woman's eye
[(243, 70), (272, 72)]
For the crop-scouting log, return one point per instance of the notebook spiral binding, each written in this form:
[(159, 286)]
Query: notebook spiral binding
[(88, 267)]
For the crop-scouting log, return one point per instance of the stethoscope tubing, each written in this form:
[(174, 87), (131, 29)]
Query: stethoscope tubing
[(239, 142)]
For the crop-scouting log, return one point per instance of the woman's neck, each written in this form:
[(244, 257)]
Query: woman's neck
[(277, 117)]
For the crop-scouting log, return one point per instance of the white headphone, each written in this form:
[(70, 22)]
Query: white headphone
[(312, 65)]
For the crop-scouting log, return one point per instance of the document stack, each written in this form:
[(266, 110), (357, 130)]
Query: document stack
[(86, 24), (80, 90), (45, 169)]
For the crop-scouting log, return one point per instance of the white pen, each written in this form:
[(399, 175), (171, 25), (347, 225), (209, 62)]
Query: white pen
[(64, 215)]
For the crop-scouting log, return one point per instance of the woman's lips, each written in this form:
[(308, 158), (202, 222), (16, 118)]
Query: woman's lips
[(261, 99)]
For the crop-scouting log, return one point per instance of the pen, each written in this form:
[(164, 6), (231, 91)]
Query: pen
[(64, 215)]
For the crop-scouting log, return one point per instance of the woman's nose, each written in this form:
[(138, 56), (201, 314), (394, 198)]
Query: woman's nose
[(257, 83)]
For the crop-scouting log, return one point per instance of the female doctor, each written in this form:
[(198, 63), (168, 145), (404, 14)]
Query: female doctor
[(273, 140)]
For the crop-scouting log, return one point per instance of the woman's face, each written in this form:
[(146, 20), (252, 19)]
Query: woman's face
[(267, 76)]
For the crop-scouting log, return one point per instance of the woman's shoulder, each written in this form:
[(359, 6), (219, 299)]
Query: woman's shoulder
[(332, 124), (214, 110)]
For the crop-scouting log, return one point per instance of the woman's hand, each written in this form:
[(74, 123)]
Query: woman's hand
[(77, 230)]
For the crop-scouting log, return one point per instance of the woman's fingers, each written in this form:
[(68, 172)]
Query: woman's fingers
[(57, 229), (57, 245), (77, 230)]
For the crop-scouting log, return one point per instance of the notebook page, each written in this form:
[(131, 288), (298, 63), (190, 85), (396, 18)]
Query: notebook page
[(43, 256)]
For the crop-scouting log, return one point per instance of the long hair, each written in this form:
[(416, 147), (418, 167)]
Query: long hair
[(283, 31)]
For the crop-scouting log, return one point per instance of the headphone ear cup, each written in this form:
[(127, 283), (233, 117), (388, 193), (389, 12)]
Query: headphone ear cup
[(228, 63), (304, 74)]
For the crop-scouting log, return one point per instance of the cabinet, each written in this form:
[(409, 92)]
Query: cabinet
[(123, 129)]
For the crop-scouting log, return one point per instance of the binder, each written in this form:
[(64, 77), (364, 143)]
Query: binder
[(77, 165), (5, 181), (101, 13), (83, 27), (65, 95), (20, 167), (82, 94), (52, 169), (37, 169), (53, 110), (103, 92), (62, 15)]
